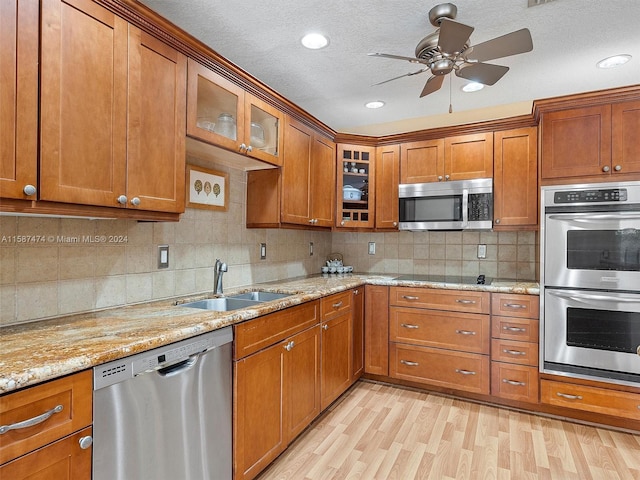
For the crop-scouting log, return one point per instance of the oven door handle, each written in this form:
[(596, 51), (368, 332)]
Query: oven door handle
[(589, 296), (590, 218)]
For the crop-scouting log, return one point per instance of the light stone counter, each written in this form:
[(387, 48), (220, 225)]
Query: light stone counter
[(35, 352)]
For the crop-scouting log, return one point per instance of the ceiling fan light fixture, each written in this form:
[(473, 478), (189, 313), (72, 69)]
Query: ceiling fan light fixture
[(472, 87), (314, 41), (375, 104), (614, 61)]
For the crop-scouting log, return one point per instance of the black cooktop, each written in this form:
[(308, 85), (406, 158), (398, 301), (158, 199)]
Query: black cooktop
[(461, 279)]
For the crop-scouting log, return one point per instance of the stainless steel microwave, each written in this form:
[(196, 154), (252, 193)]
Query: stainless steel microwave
[(456, 205)]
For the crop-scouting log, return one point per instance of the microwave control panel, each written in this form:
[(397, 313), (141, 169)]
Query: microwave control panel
[(480, 206)]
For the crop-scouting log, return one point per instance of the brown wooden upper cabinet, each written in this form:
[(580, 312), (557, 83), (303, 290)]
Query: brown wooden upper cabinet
[(302, 191), (386, 183), (453, 158), (595, 143), (106, 139), (515, 179), (221, 113), (19, 98), (355, 197)]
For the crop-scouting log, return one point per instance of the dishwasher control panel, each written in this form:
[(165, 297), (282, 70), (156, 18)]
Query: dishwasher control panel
[(145, 362)]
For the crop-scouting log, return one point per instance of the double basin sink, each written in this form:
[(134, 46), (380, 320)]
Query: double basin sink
[(235, 302)]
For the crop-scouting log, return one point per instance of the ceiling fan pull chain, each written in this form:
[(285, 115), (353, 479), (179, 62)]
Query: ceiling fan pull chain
[(450, 107)]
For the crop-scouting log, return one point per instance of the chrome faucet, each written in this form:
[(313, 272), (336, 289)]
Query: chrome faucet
[(218, 270)]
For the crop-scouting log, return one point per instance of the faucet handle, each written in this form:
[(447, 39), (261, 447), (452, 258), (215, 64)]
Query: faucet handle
[(223, 267)]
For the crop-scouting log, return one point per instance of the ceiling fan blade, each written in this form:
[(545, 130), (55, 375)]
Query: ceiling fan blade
[(512, 43), (400, 76), (485, 73), (397, 57), (434, 83), (453, 36)]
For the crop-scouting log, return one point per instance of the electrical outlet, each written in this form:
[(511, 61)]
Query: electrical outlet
[(163, 256), (311, 249), (482, 251), (372, 248), (263, 251)]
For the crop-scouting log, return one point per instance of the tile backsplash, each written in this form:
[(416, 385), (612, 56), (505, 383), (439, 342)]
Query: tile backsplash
[(78, 265)]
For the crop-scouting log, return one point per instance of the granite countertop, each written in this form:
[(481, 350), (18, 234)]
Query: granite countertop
[(35, 352)]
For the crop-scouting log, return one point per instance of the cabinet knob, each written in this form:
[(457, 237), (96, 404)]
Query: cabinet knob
[(395, 224), (439, 178), (617, 168), (249, 149), (29, 189), (357, 292), (325, 327), (342, 223), (243, 147), (497, 221), (447, 177), (85, 442), (605, 168), (122, 199), (135, 201)]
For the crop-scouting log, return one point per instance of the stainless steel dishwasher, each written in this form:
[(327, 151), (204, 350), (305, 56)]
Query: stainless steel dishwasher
[(165, 414)]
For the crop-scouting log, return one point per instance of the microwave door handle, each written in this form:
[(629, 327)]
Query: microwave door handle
[(465, 208), (588, 296)]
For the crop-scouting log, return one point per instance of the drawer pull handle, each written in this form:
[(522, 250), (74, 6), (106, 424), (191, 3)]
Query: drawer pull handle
[(514, 305), (408, 325), (410, 297), (409, 363), (513, 382), (465, 332), (85, 442), (337, 305), (465, 302), (570, 397), (514, 329), (465, 372), (32, 421), (513, 352)]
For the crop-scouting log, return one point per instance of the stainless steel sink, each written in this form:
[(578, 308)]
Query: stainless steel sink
[(260, 296), (224, 304)]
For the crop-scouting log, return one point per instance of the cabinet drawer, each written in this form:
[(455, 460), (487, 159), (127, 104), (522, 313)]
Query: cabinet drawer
[(261, 332), (444, 368), (510, 351), (71, 397), (590, 399), (434, 328), (513, 305), (335, 305), (453, 300), (526, 330), (515, 382)]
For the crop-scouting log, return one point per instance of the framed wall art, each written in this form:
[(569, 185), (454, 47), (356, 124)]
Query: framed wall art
[(207, 188)]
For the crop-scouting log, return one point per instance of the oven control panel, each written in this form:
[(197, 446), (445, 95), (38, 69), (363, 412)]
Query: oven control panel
[(591, 196)]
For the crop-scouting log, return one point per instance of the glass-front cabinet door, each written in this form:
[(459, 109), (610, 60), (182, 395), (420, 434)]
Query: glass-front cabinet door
[(221, 113), (355, 186)]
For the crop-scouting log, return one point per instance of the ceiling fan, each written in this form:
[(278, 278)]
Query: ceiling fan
[(448, 49)]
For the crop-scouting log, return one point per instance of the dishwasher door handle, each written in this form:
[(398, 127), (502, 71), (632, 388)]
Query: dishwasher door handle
[(178, 368)]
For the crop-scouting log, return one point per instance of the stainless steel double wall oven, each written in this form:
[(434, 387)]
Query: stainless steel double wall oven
[(590, 279)]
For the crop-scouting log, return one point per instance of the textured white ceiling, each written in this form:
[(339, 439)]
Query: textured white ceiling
[(333, 84)]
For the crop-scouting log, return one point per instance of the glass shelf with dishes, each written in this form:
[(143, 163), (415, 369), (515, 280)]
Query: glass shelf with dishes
[(355, 167)]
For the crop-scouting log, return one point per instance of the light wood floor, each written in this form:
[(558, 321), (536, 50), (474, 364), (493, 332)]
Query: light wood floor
[(382, 432)]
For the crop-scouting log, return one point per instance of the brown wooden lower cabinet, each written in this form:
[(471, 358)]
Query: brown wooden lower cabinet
[(376, 330), (357, 313), (277, 394), (514, 382), (590, 399), (61, 460), (443, 368)]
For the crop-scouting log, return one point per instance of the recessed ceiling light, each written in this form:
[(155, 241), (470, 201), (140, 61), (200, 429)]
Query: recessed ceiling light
[(614, 61), (374, 104), (472, 87), (315, 41)]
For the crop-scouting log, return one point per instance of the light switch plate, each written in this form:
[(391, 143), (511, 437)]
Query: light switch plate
[(482, 251), (263, 251), (372, 248), (163, 256)]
